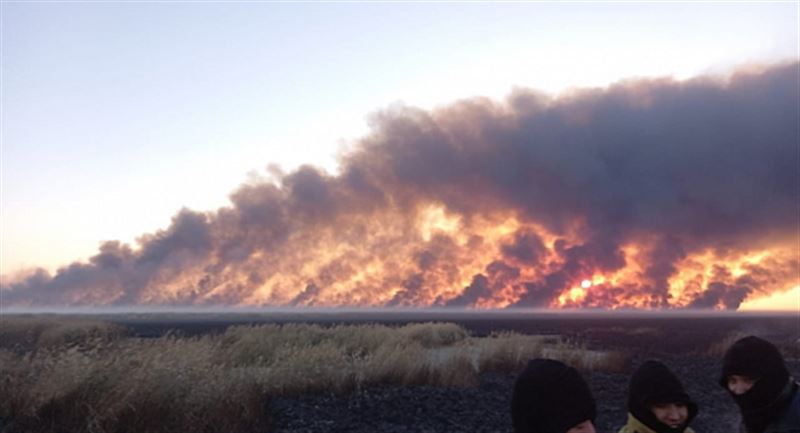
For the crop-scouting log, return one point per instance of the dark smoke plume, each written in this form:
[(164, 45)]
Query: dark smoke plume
[(679, 169)]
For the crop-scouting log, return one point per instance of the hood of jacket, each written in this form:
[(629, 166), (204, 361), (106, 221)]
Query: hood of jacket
[(653, 383), (550, 397), (769, 397)]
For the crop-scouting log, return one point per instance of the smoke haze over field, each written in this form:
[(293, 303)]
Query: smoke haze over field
[(658, 193)]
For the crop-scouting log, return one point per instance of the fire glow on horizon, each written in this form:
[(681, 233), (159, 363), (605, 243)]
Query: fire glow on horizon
[(652, 194)]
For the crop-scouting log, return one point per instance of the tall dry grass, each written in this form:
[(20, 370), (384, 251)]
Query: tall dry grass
[(122, 384), (25, 333), (62, 375)]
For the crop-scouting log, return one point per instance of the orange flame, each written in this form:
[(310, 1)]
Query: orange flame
[(433, 256)]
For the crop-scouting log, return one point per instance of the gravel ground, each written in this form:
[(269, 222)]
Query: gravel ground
[(486, 408)]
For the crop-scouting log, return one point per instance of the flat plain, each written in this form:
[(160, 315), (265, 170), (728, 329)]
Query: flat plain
[(468, 388)]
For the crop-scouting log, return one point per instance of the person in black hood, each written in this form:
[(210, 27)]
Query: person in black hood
[(551, 397), (657, 402), (755, 375)]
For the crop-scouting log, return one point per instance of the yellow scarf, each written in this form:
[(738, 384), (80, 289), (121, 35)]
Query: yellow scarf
[(636, 426)]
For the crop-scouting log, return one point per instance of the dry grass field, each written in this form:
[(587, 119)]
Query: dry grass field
[(77, 374)]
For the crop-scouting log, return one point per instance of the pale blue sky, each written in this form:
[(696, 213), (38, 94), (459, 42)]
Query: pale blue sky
[(117, 114)]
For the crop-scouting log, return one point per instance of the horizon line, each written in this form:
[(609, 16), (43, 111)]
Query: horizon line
[(249, 310)]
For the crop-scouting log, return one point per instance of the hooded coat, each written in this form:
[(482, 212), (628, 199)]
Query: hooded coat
[(550, 397), (772, 405), (653, 383)]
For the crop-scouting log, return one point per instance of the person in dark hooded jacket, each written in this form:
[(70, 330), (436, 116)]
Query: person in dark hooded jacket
[(657, 402), (551, 397), (755, 375)]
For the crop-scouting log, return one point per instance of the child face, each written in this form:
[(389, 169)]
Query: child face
[(740, 384), (671, 414), (584, 427)]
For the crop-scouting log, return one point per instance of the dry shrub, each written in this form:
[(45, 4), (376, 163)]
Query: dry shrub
[(294, 358), (394, 362), (25, 332), (261, 345), (580, 357), (296, 370), (508, 351), (435, 334), (161, 385), (451, 367)]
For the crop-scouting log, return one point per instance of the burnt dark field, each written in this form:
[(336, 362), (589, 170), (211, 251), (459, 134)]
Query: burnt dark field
[(640, 332), (690, 343)]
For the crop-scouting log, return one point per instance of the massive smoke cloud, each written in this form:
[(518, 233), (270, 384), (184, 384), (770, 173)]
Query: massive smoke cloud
[(662, 193)]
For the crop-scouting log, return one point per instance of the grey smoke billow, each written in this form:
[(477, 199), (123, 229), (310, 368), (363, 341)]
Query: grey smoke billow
[(689, 159), (700, 165)]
